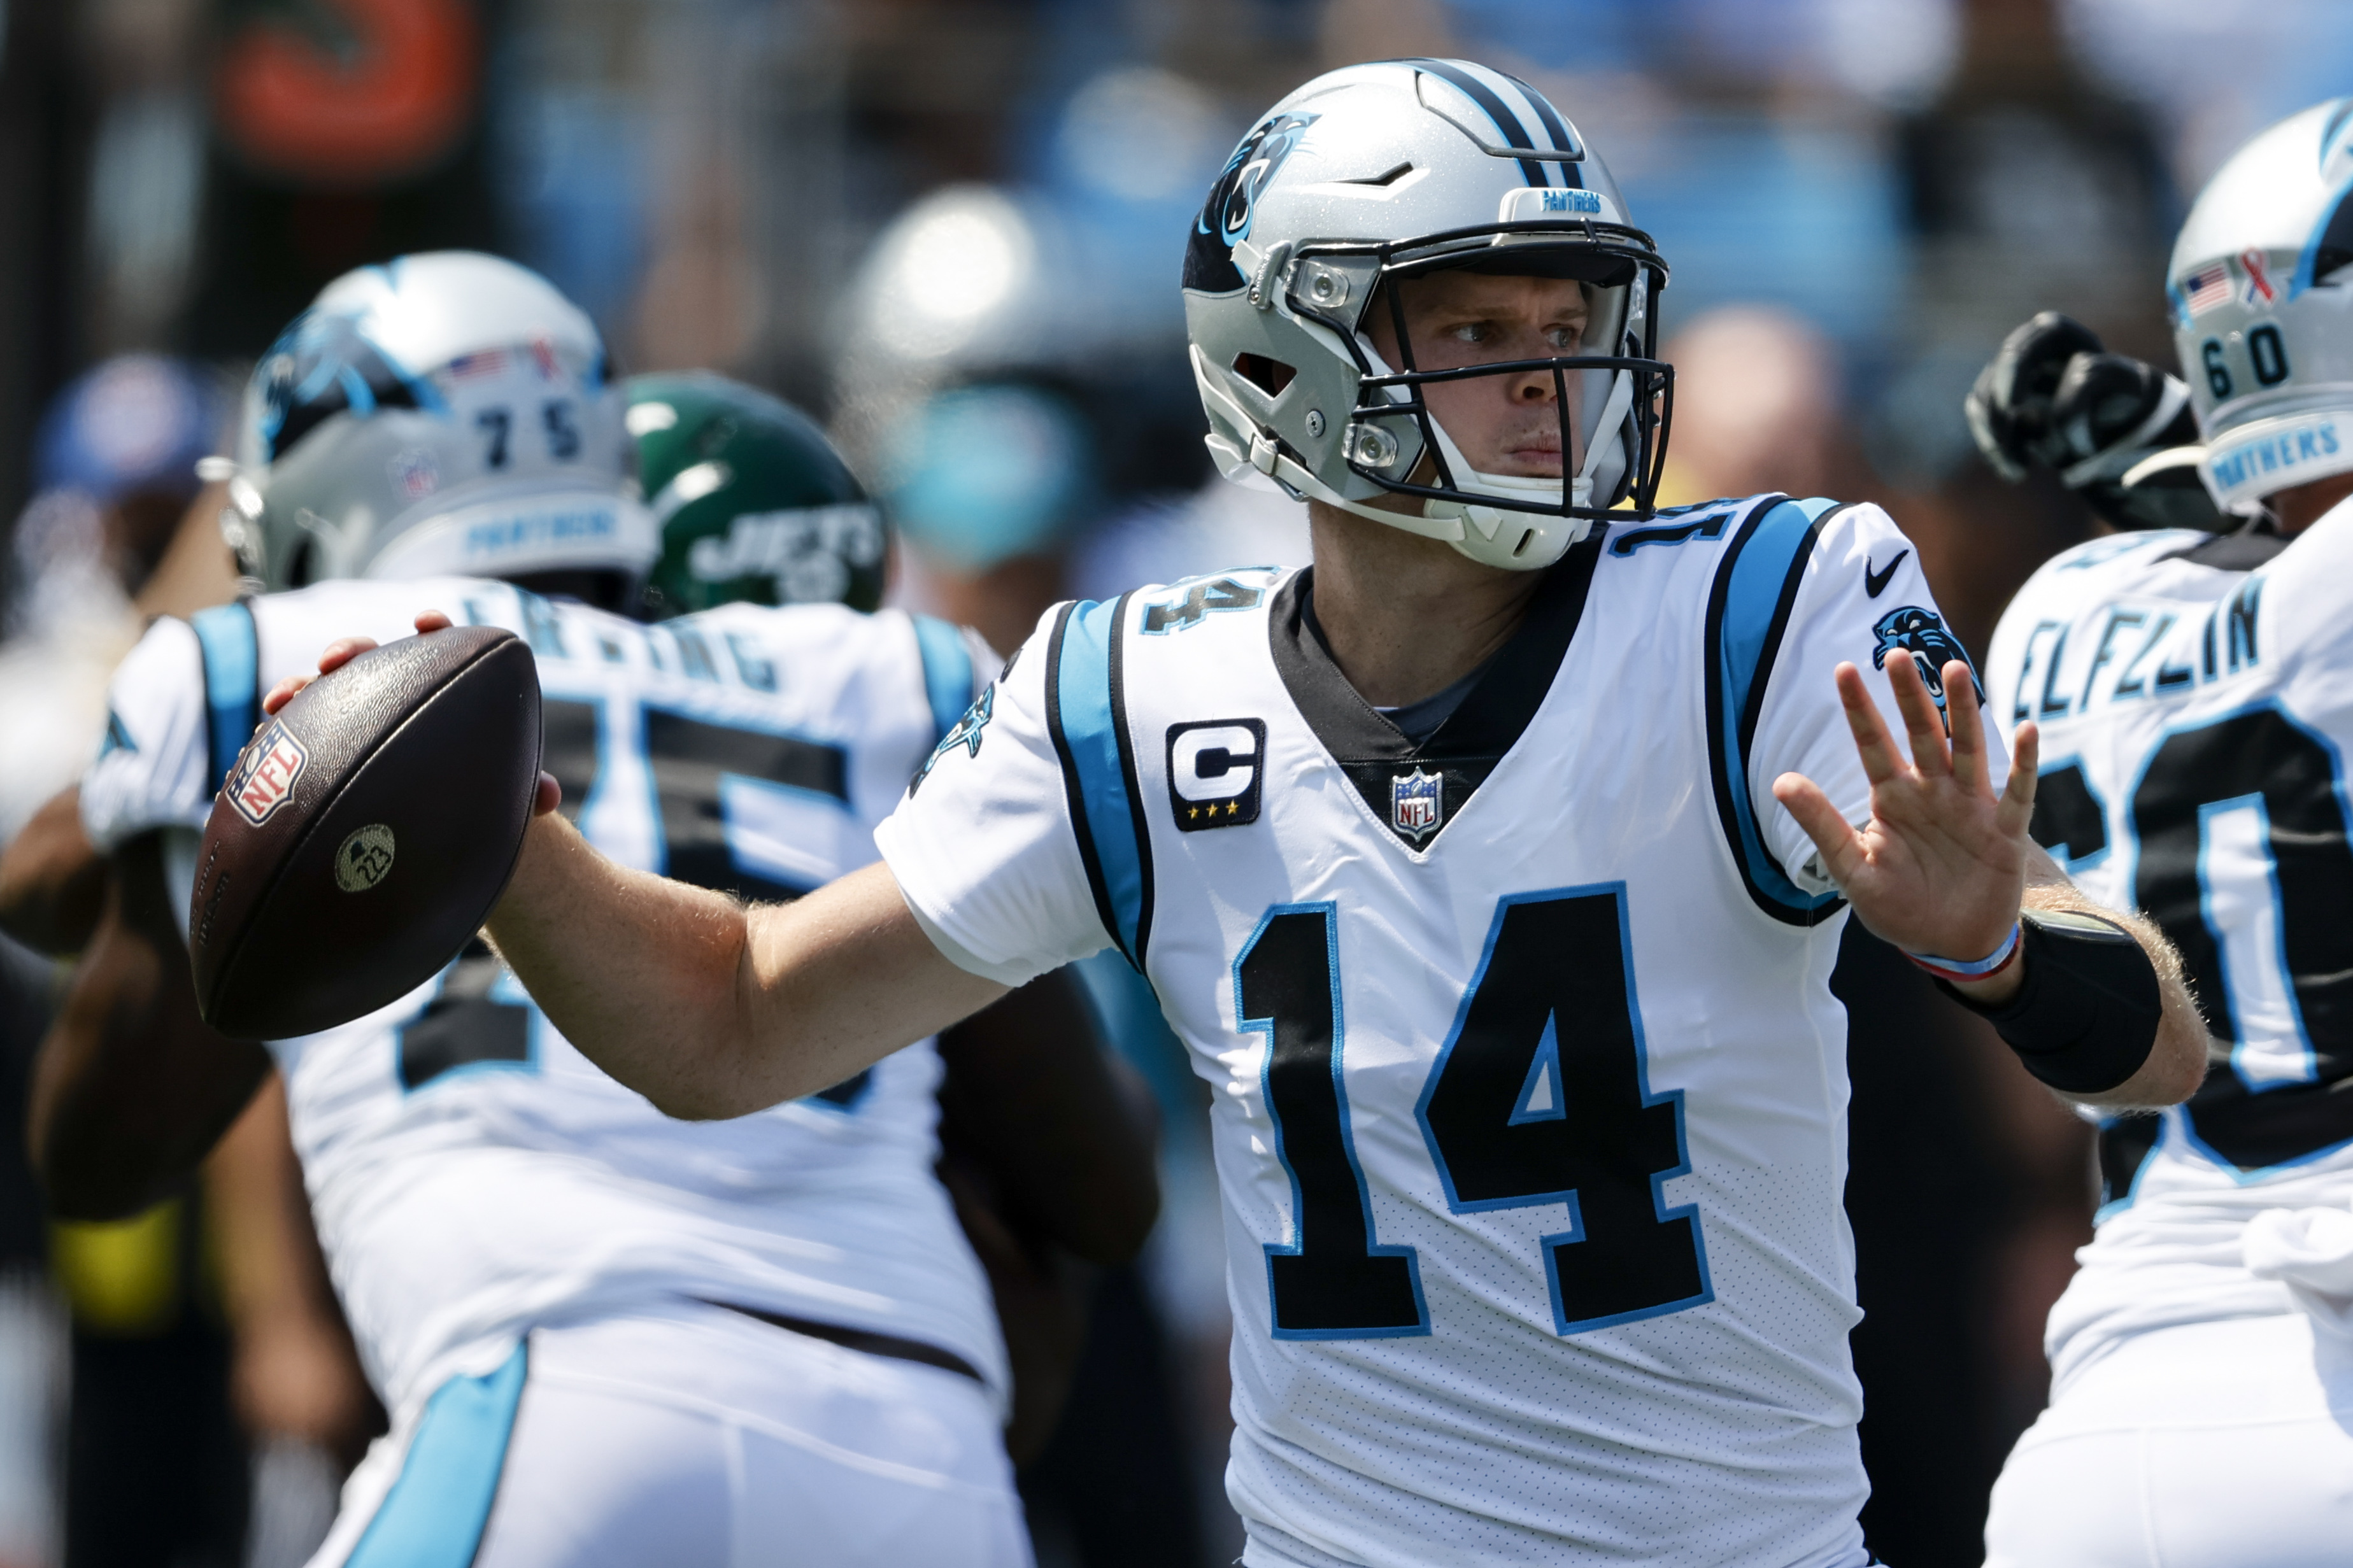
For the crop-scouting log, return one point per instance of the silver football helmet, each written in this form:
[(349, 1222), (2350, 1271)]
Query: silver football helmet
[(441, 412), (1393, 170), (2262, 308)]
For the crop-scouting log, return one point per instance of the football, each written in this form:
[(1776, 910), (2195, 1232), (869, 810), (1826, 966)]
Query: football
[(364, 833)]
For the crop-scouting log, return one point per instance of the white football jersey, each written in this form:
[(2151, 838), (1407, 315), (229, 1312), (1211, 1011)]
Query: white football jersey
[(471, 1174), (1529, 1088), (2195, 696)]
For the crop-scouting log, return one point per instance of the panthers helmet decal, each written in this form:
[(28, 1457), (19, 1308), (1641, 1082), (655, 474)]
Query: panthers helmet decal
[(1385, 172), (441, 413)]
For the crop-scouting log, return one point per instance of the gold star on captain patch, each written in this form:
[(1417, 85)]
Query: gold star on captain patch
[(1232, 806), (1192, 812)]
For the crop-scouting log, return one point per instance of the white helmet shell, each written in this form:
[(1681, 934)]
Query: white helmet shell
[(1391, 170), (441, 412), (2262, 308)]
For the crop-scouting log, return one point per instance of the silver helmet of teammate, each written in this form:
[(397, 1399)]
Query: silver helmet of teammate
[(441, 412), (2262, 290), (1394, 170)]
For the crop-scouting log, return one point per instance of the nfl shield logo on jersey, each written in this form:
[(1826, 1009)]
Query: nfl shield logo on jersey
[(1417, 803)]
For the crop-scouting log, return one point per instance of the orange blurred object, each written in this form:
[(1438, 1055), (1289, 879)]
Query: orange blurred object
[(394, 96)]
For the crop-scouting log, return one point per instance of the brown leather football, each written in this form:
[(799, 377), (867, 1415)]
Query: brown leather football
[(364, 833)]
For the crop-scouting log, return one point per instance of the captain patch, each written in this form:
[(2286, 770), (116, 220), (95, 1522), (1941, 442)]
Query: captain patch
[(1216, 769)]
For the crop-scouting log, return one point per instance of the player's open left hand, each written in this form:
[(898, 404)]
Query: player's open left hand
[(1941, 866), (342, 650)]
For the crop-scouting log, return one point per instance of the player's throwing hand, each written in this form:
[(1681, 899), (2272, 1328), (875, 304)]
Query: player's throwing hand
[(1941, 866), (343, 650)]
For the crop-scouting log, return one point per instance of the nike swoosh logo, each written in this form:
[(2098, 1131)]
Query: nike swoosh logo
[(1873, 582)]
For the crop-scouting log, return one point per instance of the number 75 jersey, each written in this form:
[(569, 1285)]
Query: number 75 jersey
[(2195, 696), (471, 1174), (1529, 1091)]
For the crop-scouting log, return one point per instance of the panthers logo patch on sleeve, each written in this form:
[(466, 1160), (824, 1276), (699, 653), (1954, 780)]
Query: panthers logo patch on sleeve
[(966, 733), (1920, 632)]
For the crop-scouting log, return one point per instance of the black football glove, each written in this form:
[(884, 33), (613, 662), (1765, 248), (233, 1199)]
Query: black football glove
[(2054, 397)]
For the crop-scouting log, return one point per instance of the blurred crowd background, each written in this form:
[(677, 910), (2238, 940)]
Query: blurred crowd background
[(951, 229)]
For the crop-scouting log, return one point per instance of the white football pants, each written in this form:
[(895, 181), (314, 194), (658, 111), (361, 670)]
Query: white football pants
[(2224, 1444), (708, 1439)]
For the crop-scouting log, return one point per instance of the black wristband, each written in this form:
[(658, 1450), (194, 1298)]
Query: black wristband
[(2085, 1015)]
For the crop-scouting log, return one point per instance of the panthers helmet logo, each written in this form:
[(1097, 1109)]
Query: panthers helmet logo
[(1225, 216), (1920, 632), (322, 365)]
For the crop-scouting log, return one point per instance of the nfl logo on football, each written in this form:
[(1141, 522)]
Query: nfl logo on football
[(1417, 803), (263, 779)]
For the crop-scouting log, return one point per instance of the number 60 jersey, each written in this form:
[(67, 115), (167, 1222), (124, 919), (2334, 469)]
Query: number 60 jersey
[(1529, 1089), (471, 1174), (2195, 695)]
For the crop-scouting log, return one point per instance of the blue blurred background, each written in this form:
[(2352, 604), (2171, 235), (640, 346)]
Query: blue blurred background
[(951, 228)]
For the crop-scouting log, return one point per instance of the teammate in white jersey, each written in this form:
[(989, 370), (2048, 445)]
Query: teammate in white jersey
[(601, 1333), (1469, 864), (2195, 692)]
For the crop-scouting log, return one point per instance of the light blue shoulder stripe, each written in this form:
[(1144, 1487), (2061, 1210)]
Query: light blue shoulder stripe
[(232, 671), (947, 671), (435, 1513), (1091, 716), (1755, 587)]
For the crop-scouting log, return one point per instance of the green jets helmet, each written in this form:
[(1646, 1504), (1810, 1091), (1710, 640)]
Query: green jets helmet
[(754, 504)]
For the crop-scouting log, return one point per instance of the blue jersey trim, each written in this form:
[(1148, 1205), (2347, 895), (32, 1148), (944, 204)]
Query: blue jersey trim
[(1756, 589), (947, 672), (232, 690), (1087, 715), (435, 1511)]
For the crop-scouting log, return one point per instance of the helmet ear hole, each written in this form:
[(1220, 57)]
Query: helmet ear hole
[(301, 567), (1528, 537), (1269, 375)]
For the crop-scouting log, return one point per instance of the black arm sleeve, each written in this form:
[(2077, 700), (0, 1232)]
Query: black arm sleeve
[(2086, 1015)]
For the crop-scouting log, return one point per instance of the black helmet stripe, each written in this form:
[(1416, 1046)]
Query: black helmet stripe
[(1562, 141), (1515, 133)]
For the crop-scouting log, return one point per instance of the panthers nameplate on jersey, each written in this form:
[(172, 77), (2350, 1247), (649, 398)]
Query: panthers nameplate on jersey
[(1529, 1085)]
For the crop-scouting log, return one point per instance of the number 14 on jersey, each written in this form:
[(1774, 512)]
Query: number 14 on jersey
[(1537, 1098)]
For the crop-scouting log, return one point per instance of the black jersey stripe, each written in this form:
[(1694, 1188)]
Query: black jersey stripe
[(1118, 662), (1748, 613), (1087, 720), (1073, 787), (1790, 582)]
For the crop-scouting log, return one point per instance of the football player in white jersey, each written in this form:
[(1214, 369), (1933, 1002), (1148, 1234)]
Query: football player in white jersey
[(2195, 695), (601, 1334), (1468, 863)]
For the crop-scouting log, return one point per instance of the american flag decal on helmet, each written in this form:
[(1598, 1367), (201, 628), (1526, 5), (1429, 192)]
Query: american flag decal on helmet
[(2206, 287)]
